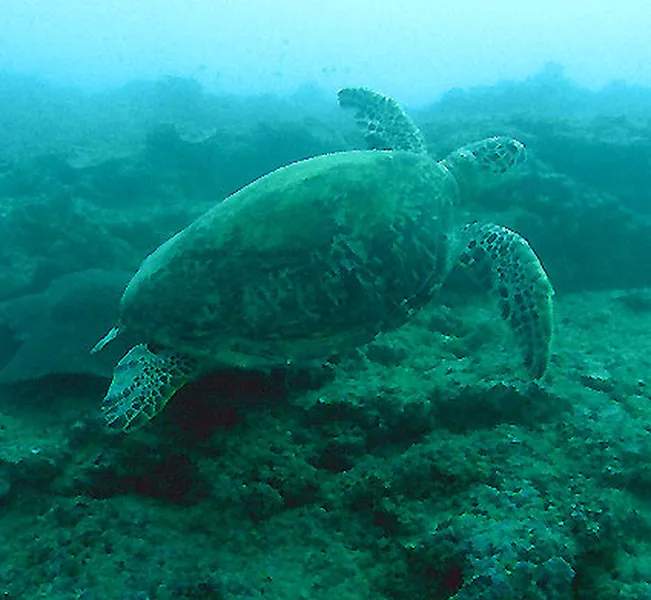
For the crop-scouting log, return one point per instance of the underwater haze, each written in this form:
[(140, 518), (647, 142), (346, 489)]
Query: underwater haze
[(416, 48), (392, 340)]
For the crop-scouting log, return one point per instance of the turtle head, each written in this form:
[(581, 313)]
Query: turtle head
[(485, 164)]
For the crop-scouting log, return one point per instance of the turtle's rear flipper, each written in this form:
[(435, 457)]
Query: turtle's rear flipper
[(502, 261), (142, 384)]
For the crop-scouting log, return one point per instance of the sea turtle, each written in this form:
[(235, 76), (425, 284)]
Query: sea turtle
[(320, 255)]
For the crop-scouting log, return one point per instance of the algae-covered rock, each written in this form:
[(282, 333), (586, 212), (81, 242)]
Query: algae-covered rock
[(52, 332)]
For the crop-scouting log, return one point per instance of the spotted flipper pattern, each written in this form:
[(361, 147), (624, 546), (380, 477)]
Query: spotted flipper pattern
[(502, 261), (386, 125), (142, 384)]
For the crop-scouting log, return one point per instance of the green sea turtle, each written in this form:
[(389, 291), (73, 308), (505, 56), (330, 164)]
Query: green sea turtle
[(320, 255)]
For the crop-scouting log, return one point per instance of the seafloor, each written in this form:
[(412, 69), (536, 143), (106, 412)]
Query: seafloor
[(422, 466)]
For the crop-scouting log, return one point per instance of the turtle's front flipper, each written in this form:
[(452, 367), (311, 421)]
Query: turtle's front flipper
[(143, 382), (502, 261), (386, 125)]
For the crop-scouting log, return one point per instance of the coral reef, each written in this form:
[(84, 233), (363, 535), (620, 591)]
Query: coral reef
[(421, 466)]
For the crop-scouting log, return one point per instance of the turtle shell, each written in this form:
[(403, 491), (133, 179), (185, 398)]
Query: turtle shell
[(312, 257)]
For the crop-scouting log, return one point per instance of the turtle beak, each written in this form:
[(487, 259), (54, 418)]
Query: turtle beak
[(512, 151), (520, 152)]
